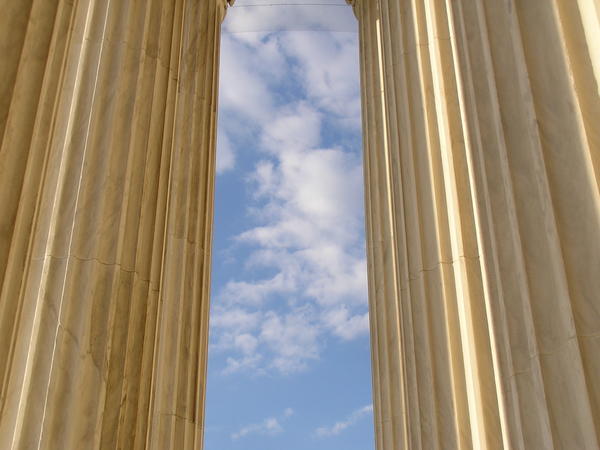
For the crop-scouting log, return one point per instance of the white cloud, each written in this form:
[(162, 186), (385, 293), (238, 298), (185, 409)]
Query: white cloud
[(245, 363), (268, 427), (243, 81), (344, 325), (232, 330), (264, 177), (292, 339), (297, 127), (225, 155), (328, 70), (340, 426), (246, 343), (289, 339), (237, 318), (256, 292)]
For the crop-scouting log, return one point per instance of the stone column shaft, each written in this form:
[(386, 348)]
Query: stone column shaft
[(482, 152), (107, 134)]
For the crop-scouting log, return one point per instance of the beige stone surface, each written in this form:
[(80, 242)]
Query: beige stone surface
[(482, 149), (107, 133)]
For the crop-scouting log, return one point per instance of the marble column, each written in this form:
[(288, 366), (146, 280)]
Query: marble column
[(107, 138), (482, 165)]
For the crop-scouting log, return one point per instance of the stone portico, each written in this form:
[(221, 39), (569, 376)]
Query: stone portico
[(482, 179)]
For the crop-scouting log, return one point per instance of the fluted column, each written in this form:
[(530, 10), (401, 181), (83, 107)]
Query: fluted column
[(107, 133), (482, 167)]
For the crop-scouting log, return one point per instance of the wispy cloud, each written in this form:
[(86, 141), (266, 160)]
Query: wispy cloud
[(267, 427), (345, 325), (340, 426), (225, 155), (325, 68), (270, 426), (289, 339), (237, 318), (292, 338)]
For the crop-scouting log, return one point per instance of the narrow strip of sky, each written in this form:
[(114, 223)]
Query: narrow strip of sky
[(289, 359)]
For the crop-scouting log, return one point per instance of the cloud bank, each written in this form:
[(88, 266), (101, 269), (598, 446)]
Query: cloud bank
[(293, 99)]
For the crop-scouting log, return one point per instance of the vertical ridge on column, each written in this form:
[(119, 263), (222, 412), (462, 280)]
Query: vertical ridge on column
[(175, 420), (26, 73)]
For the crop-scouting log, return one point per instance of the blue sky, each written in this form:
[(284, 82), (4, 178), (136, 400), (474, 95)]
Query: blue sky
[(289, 361)]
